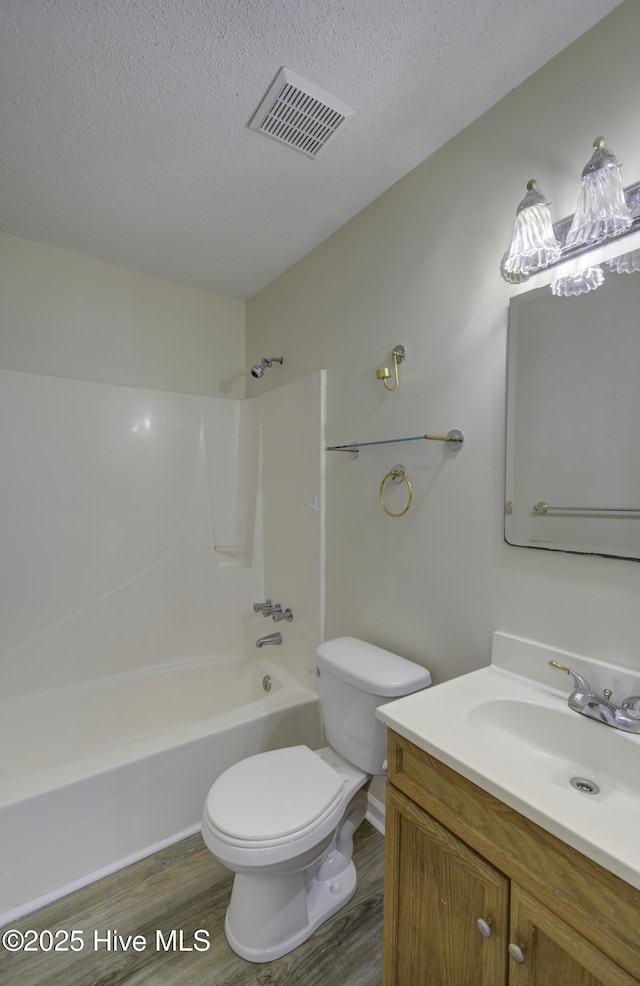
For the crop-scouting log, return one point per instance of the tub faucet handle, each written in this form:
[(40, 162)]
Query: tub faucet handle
[(266, 608), (281, 614)]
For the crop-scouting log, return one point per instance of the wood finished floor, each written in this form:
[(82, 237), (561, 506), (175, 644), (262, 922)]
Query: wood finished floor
[(185, 888)]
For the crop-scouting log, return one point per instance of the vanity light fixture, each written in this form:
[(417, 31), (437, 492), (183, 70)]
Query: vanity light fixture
[(398, 354), (603, 214)]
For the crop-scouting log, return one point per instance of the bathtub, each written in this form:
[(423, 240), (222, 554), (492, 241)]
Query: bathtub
[(94, 777)]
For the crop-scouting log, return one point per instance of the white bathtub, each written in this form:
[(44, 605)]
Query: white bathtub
[(94, 777)]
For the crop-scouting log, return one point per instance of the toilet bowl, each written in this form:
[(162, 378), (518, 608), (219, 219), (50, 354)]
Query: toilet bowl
[(292, 858), (283, 821)]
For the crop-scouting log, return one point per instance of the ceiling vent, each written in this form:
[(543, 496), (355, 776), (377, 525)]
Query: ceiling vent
[(298, 114)]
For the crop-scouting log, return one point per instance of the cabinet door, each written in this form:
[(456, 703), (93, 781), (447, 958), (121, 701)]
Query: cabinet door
[(553, 952), (436, 891)]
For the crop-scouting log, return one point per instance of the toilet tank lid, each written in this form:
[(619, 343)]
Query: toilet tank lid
[(373, 669)]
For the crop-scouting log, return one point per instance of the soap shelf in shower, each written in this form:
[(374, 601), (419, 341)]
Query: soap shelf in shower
[(454, 440), (233, 555)]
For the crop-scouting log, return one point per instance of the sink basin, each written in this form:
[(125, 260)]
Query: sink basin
[(513, 735), (527, 727), (551, 737)]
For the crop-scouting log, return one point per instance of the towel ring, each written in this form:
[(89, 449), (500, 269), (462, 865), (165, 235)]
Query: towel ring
[(398, 475)]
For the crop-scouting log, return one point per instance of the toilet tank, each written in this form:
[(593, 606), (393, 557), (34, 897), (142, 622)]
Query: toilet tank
[(354, 678)]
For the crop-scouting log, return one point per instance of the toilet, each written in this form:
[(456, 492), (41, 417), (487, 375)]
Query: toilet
[(283, 821)]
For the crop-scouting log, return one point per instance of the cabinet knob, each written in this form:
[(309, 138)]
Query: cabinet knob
[(516, 953), (484, 927)]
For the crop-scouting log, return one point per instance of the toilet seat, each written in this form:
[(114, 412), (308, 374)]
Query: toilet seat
[(274, 798)]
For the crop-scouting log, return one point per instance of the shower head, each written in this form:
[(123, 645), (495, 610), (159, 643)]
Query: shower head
[(259, 368)]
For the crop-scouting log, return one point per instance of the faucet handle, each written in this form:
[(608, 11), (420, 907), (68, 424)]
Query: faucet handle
[(552, 664), (631, 706), (260, 607), (281, 614), (578, 679), (580, 684)]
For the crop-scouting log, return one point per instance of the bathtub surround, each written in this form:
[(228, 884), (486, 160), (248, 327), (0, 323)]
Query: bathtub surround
[(133, 524), (292, 468), (132, 531), (110, 513)]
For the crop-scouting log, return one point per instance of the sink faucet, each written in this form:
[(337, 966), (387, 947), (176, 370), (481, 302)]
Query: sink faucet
[(583, 699), (271, 638)]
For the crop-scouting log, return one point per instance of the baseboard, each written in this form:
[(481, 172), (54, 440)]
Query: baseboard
[(375, 814)]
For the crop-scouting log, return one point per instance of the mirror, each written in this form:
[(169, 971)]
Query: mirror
[(573, 420)]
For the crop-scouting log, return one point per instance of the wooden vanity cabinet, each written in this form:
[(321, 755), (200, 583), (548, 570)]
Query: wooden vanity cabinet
[(477, 895)]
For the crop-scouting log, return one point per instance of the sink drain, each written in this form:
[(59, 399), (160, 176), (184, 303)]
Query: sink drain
[(584, 785)]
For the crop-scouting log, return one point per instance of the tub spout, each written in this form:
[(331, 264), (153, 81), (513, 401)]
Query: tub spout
[(271, 638)]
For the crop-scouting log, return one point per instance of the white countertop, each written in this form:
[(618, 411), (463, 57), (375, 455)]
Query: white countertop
[(512, 733)]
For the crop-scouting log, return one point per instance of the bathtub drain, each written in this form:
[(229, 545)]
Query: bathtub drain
[(266, 682)]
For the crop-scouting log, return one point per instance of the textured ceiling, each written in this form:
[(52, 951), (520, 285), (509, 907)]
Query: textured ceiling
[(123, 123)]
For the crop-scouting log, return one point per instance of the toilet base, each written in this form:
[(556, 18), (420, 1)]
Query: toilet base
[(271, 914), (323, 901)]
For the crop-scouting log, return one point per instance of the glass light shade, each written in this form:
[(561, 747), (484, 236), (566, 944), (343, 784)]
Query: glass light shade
[(628, 263), (581, 283), (602, 210), (534, 244)]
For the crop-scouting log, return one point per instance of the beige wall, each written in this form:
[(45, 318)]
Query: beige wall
[(420, 266), (66, 315)]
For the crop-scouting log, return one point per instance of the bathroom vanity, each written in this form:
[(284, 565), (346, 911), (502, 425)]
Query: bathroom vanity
[(476, 892)]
